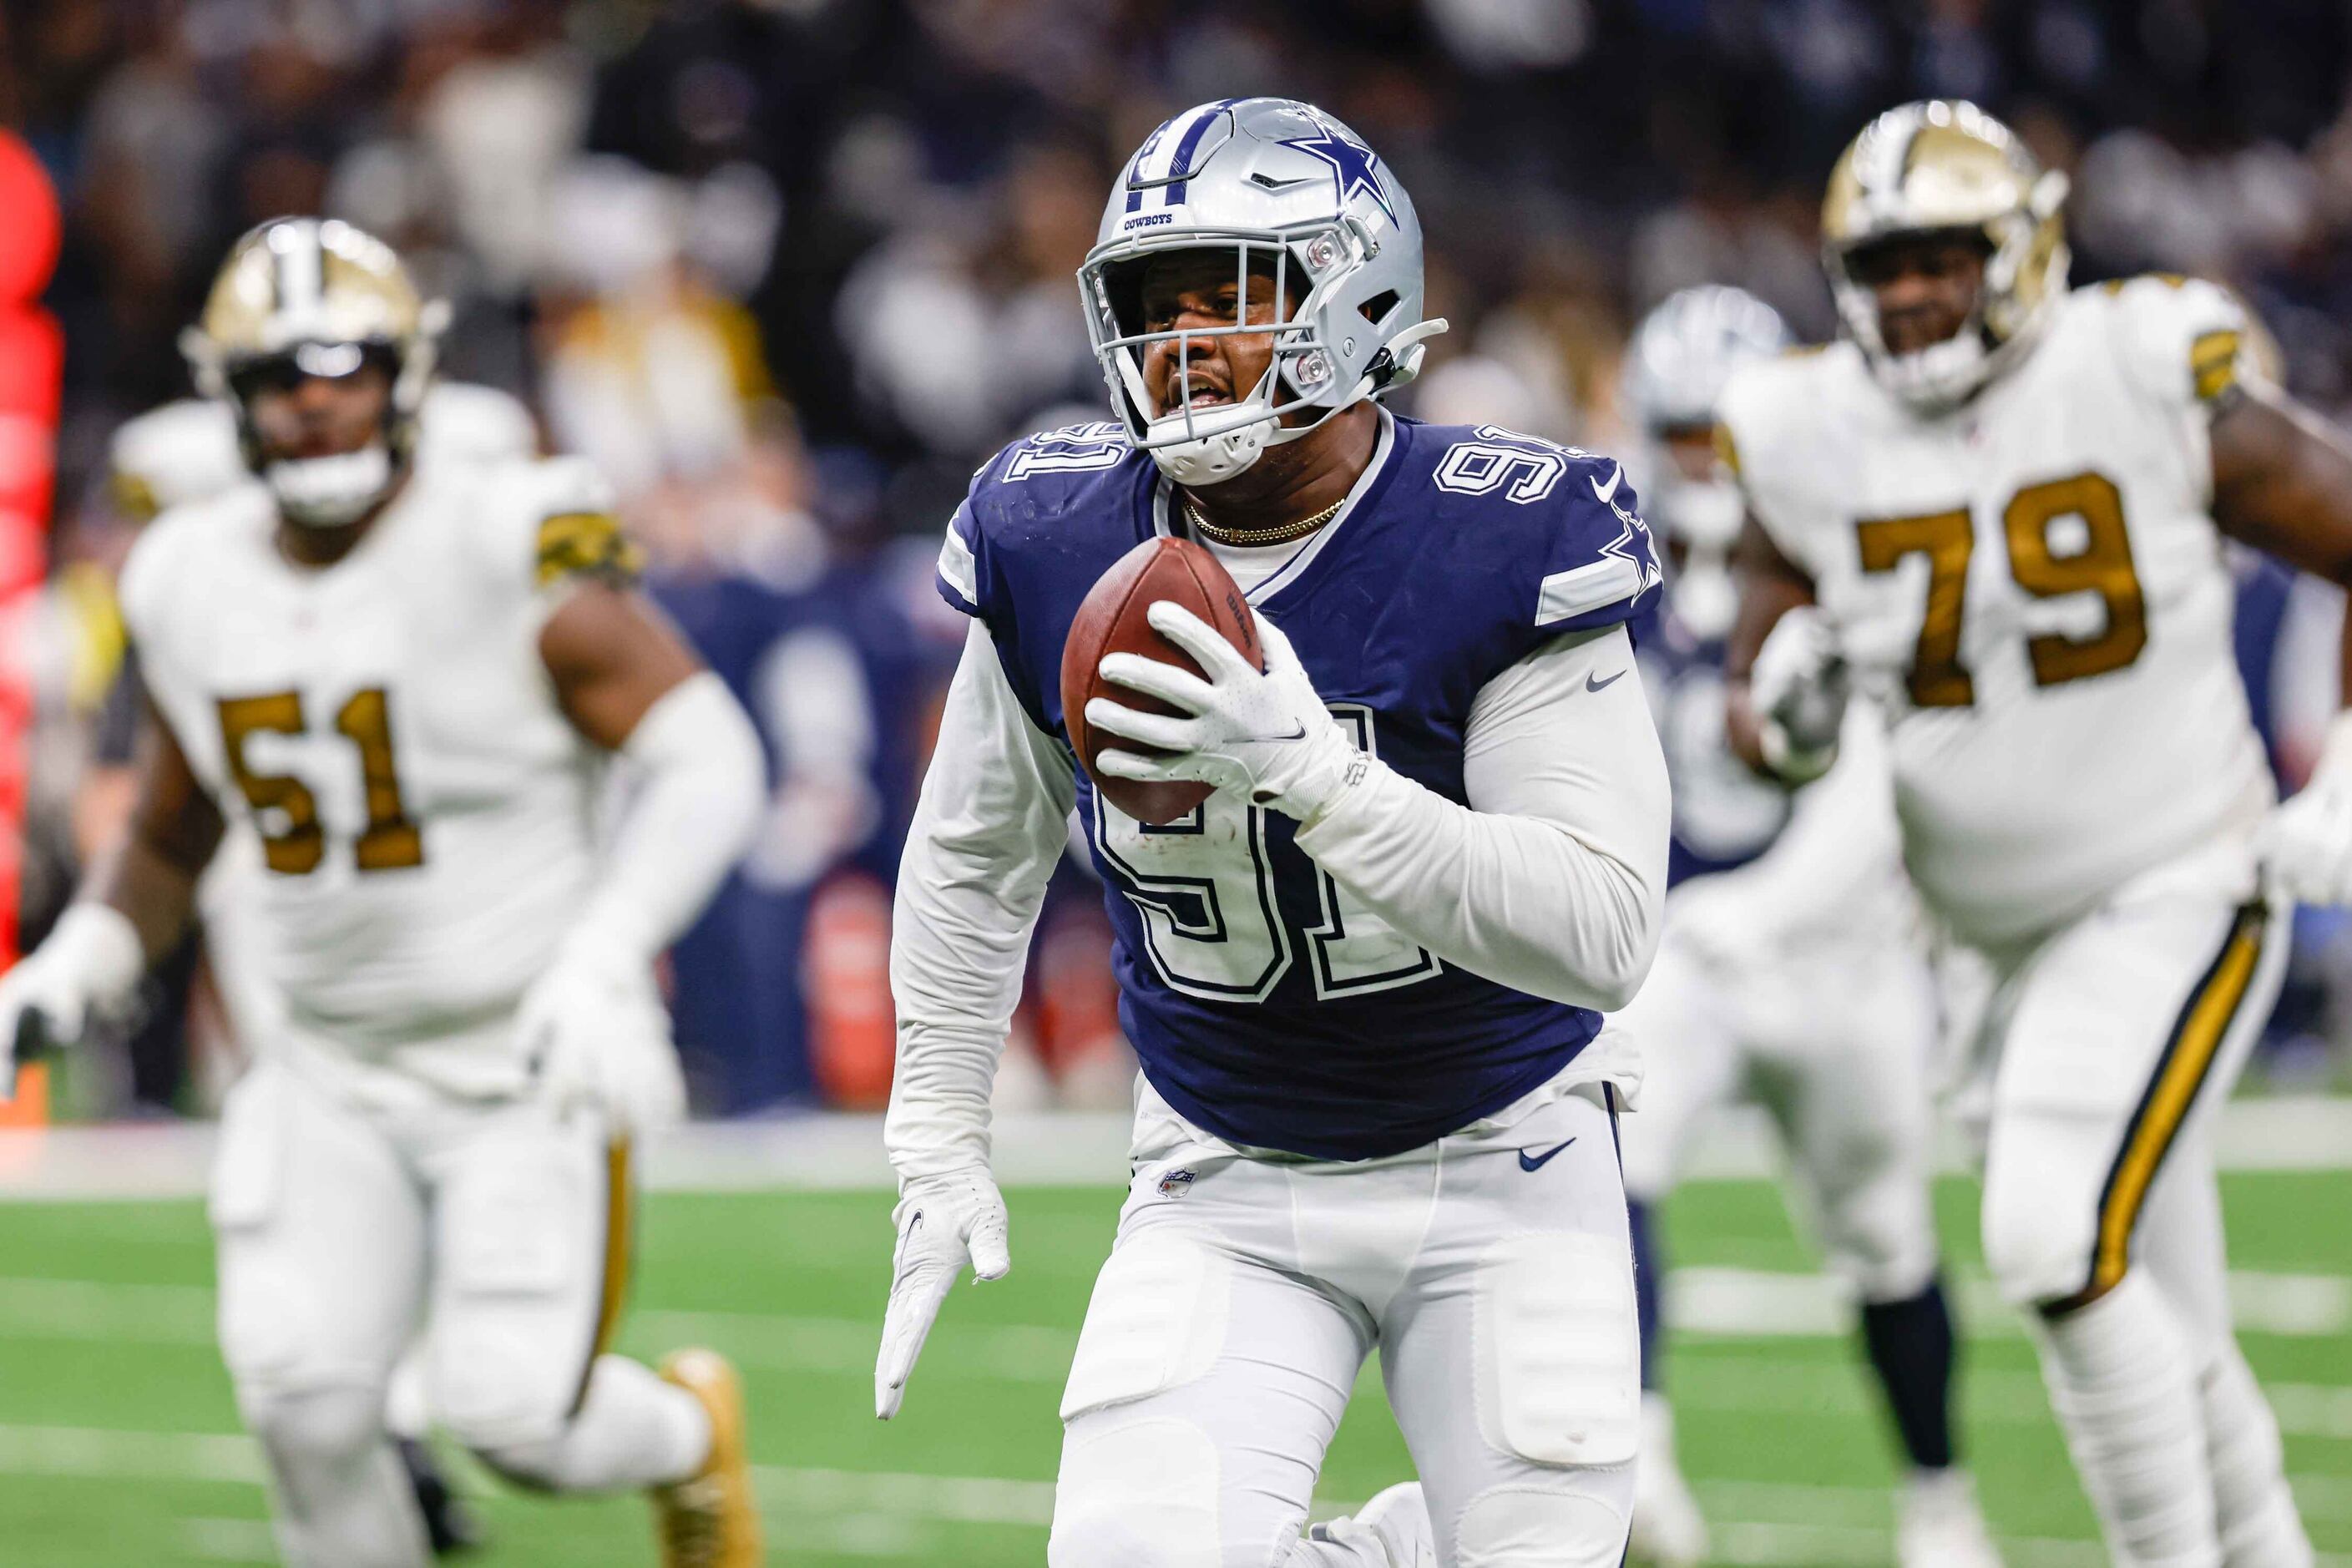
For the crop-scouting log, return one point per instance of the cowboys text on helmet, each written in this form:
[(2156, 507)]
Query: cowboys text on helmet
[(1285, 192)]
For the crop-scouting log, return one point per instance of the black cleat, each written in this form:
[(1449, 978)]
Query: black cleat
[(447, 1522)]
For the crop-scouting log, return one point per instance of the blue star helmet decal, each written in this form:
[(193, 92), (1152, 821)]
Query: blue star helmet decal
[(1354, 166)]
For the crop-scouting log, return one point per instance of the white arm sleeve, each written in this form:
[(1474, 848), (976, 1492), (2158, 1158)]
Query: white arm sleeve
[(696, 782), (986, 835), (1551, 880)]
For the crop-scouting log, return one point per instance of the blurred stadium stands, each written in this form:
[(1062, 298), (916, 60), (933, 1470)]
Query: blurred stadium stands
[(789, 270)]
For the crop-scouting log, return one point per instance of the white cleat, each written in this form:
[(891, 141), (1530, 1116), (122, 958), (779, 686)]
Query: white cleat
[(1395, 1522), (1939, 1524), (1669, 1532)]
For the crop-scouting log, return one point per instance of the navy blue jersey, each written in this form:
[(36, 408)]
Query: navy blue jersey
[(1266, 1005), (1725, 815)]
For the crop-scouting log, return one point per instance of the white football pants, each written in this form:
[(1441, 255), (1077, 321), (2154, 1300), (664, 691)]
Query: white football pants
[(339, 1226), (1836, 1044), (1491, 1269), (2111, 1043)]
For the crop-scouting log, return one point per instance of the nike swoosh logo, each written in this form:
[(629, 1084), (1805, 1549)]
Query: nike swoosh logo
[(1297, 732), (1594, 683), (1603, 493), (1540, 1161)]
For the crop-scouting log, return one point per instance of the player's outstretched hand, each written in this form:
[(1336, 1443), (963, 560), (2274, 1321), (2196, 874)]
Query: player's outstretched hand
[(90, 966), (944, 1223), (597, 1034), (2306, 844), (1263, 734), (1798, 688)]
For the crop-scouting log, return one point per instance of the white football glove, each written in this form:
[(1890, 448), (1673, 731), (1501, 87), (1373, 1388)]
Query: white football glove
[(88, 968), (1799, 689), (1263, 734), (2305, 843), (596, 1031), (944, 1223)]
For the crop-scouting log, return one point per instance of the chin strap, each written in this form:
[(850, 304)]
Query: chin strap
[(1209, 460), (1404, 350)]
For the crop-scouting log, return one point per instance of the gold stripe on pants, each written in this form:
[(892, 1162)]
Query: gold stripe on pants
[(619, 1242), (2180, 1073)]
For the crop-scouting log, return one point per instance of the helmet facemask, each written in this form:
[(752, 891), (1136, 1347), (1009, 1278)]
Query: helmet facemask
[(336, 490), (1698, 508), (352, 308), (2025, 264), (1339, 322)]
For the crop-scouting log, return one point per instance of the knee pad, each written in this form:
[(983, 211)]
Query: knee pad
[(495, 1411), (326, 1423), (1156, 1321), (1557, 1341), (1534, 1527), (1879, 1237), (496, 1387), (2037, 1243), (517, 1318), (1142, 1494)]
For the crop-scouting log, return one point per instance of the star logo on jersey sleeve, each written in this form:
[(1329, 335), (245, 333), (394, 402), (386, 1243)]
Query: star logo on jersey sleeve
[(1634, 545), (1354, 166)]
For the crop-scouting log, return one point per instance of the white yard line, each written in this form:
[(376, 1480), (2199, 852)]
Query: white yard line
[(871, 1512), (1803, 1391), (1749, 1303), (826, 1151), (1715, 1304), (2323, 1498), (222, 1458), (230, 1540)]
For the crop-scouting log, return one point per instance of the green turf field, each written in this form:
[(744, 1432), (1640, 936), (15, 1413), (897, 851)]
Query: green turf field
[(118, 1444)]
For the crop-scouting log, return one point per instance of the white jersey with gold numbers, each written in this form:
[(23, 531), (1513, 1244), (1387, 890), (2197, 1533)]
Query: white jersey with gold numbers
[(2034, 584), (386, 727)]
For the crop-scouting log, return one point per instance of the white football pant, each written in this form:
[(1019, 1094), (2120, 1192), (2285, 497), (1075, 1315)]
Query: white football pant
[(2110, 1044), (339, 1227), (1836, 1043), (1492, 1270)]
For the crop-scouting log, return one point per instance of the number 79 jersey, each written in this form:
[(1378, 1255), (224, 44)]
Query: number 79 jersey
[(2035, 584), (386, 726), (1266, 1005)]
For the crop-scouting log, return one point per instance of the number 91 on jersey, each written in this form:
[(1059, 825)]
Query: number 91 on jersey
[(1230, 905)]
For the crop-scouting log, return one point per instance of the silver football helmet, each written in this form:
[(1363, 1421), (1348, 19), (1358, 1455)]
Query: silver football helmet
[(1270, 181), (1675, 368)]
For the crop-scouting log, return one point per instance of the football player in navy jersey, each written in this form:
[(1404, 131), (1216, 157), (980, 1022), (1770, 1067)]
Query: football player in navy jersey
[(1365, 978), (1791, 973)]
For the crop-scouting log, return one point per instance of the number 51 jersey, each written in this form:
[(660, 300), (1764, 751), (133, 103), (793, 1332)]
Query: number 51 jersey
[(1266, 1005), (2034, 583), (386, 724)]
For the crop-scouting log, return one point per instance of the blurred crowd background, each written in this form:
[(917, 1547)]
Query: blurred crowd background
[(788, 269)]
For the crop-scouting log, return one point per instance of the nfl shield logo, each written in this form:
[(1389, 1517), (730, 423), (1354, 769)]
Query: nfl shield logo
[(1176, 1184)]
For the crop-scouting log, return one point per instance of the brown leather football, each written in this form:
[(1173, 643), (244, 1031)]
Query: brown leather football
[(1111, 620)]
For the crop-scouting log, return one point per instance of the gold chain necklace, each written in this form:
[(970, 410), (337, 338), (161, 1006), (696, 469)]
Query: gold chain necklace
[(1246, 537)]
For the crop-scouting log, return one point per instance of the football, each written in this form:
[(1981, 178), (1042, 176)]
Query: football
[(1111, 620)]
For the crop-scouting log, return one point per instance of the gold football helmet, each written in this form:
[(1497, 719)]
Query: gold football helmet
[(301, 296), (1937, 167)]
